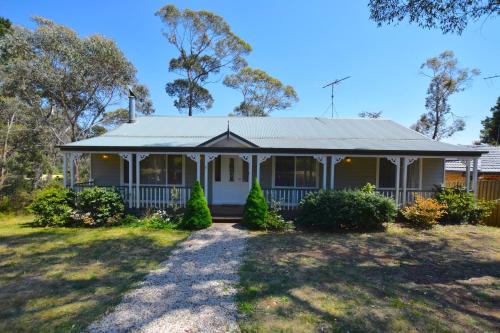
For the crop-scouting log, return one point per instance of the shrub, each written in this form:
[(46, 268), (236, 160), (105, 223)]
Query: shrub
[(462, 206), (256, 210), (424, 213), (274, 220), (130, 220), (52, 206), (98, 206), (197, 214), (16, 201), (160, 220), (345, 210), (174, 210)]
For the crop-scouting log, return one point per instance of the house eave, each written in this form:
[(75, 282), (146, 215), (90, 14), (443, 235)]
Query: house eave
[(257, 150)]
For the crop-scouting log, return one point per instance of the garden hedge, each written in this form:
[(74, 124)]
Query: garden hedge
[(345, 210)]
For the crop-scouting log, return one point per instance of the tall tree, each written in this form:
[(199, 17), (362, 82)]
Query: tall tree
[(491, 126), (372, 115), (55, 87), (5, 26), (70, 81), (446, 79), (261, 92), (205, 44), (451, 16)]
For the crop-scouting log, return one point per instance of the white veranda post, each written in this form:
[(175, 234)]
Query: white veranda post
[(138, 159), (322, 159), (65, 170), (128, 157), (396, 160), (474, 177), (72, 160), (248, 158), (467, 175), (208, 158), (335, 159), (407, 161), (196, 158), (260, 158)]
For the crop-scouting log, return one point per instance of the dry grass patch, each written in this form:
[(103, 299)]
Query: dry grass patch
[(61, 279), (442, 280)]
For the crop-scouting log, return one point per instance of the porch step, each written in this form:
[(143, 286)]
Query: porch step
[(226, 212), (226, 219)]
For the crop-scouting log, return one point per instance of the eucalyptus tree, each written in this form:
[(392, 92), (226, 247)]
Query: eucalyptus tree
[(451, 16), (206, 45), (55, 87), (68, 81), (5, 25), (446, 79), (261, 92)]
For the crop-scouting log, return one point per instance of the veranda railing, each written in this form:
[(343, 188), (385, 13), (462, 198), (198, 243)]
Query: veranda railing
[(289, 198), (150, 196)]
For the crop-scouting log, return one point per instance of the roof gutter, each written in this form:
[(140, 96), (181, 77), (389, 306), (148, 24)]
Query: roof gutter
[(257, 150)]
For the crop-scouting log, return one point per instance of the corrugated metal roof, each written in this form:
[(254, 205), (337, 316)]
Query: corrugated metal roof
[(269, 132), (489, 162)]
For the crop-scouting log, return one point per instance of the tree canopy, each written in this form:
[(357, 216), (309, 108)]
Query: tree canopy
[(451, 16), (261, 92), (446, 79), (205, 44), (5, 25), (67, 80), (56, 87), (491, 126)]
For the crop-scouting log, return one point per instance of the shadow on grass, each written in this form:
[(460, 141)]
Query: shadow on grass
[(62, 280), (373, 282)]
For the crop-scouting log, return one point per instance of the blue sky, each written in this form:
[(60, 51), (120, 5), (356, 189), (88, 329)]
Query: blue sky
[(303, 43)]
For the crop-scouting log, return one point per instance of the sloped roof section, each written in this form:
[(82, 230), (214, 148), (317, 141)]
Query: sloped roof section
[(269, 132), (489, 162)]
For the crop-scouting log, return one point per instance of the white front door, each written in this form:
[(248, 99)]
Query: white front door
[(230, 183)]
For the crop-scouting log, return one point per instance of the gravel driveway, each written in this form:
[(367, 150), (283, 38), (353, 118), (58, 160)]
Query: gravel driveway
[(193, 291)]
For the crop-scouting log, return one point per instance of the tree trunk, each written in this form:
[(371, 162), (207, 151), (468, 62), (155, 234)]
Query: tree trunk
[(190, 101), (3, 170)]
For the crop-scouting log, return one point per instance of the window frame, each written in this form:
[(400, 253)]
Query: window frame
[(316, 170), (420, 169), (122, 174)]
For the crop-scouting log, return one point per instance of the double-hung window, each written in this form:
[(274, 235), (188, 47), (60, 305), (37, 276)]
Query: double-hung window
[(295, 171), (156, 169)]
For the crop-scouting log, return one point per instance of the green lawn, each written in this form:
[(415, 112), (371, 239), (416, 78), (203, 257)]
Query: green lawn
[(441, 280), (61, 279)]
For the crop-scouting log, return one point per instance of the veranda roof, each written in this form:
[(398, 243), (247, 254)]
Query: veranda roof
[(489, 163), (352, 136)]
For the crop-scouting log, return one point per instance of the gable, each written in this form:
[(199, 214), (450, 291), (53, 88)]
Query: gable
[(228, 139), (227, 142)]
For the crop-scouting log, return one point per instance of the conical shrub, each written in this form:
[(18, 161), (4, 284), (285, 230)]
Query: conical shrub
[(256, 209), (197, 215)]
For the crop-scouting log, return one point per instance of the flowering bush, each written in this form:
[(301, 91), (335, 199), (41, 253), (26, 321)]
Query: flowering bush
[(424, 213), (274, 220), (160, 220)]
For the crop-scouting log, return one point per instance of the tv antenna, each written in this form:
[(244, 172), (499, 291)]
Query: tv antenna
[(492, 77), (332, 84)]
